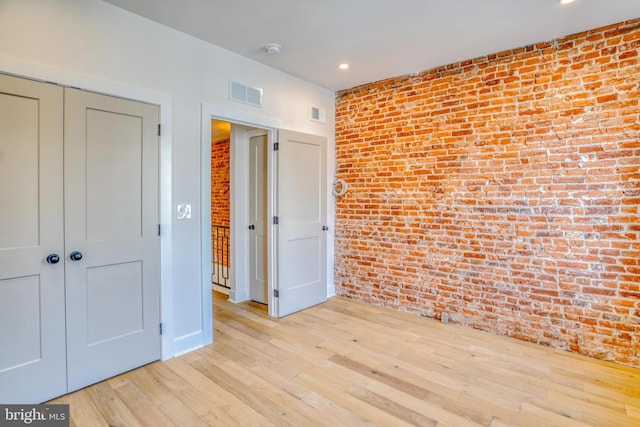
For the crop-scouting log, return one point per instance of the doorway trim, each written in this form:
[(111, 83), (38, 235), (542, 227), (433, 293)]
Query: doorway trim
[(20, 68), (239, 117)]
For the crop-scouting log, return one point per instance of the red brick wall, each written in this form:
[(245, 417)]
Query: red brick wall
[(220, 177), (501, 193), (220, 207)]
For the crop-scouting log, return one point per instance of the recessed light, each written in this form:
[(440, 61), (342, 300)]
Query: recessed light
[(565, 1), (344, 66)]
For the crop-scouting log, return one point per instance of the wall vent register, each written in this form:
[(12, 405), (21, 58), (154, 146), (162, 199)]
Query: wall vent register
[(245, 94)]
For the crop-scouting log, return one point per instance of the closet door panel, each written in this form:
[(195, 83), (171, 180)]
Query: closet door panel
[(111, 217), (32, 306)]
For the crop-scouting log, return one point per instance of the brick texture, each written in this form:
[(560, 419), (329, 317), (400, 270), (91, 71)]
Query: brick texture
[(220, 202), (501, 193)]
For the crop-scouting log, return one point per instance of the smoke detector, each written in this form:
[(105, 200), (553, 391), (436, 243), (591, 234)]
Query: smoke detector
[(273, 48)]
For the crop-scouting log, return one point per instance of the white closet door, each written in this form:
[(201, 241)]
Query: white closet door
[(32, 311), (111, 220)]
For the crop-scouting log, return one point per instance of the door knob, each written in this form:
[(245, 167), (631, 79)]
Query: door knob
[(75, 256), (325, 228), (53, 259), (252, 227)]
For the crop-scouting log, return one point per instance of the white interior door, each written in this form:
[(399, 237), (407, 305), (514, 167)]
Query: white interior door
[(258, 218), (111, 218), (32, 307), (301, 229)]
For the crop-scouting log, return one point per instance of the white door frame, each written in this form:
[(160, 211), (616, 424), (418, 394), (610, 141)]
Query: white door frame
[(239, 236), (28, 70)]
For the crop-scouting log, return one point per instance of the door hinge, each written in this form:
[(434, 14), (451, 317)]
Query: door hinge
[(275, 220), (160, 328), (276, 146), (276, 293), (159, 129), (158, 229)]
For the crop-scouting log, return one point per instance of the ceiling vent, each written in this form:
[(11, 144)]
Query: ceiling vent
[(246, 94), (318, 115)]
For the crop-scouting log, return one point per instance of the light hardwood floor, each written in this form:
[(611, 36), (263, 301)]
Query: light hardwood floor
[(344, 363)]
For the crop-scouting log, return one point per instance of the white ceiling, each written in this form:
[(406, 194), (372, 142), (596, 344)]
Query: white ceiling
[(378, 38)]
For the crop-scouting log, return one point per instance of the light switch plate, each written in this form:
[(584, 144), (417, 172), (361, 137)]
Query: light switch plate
[(184, 212)]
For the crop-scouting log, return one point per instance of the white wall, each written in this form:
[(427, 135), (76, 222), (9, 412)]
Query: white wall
[(89, 42)]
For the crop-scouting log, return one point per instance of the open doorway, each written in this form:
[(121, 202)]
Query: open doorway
[(239, 261), (220, 205), (296, 209)]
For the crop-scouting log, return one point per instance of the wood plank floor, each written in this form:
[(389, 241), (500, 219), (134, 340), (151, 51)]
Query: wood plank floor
[(344, 363)]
